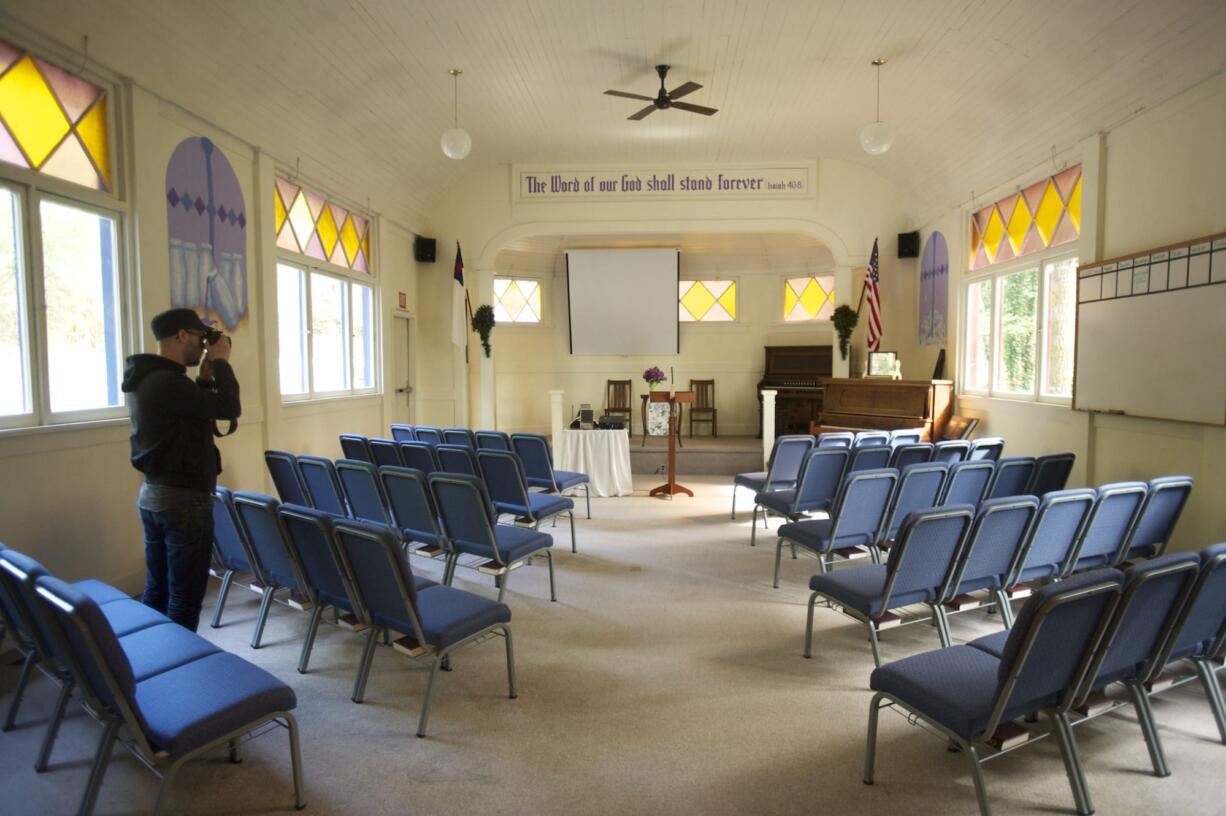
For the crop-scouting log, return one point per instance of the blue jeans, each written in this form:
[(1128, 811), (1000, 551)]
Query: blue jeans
[(178, 549)]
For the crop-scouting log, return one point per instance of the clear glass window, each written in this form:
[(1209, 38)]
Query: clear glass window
[(291, 329), (979, 336), (15, 397), (1060, 316), (330, 367), (1017, 299)]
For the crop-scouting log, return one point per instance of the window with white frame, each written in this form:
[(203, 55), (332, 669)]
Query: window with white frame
[(517, 300), (325, 325), (1019, 330)]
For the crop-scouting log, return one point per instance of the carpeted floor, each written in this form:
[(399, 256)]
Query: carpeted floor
[(666, 679)]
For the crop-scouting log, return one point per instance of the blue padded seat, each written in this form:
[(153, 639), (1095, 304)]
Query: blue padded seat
[(128, 616), (566, 479), (860, 588), (540, 505), (100, 593), (504, 476), (163, 647), (755, 481), (957, 686), (449, 615), (993, 644), (778, 500), (515, 543), (818, 485)]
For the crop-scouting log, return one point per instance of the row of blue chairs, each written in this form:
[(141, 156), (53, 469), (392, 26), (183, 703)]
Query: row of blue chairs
[(456, 454), (172, 695), (1072, 640)]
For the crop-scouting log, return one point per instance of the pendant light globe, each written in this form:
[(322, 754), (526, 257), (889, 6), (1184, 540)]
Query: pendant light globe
[(877, 136), (456, 142)]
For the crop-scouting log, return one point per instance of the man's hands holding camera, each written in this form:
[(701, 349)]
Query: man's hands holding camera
[(217, 347)]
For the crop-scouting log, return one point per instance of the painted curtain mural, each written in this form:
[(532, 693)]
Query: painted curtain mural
[(207, 222), (934, 291)]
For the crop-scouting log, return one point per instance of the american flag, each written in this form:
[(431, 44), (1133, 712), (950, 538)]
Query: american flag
[(874, 302)]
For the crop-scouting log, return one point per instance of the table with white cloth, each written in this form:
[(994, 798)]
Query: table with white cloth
[(604, 456)]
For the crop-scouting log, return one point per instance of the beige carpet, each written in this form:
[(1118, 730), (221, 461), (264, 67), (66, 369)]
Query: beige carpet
[(666, 679)]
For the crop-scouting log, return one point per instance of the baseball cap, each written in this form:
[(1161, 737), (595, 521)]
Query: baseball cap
[(172, 321)]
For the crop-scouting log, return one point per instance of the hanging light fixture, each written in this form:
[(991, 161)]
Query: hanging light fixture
[(877, 136), (456, 142)]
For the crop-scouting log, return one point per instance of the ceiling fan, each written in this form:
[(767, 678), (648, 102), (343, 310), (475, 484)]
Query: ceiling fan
[(666, 99)]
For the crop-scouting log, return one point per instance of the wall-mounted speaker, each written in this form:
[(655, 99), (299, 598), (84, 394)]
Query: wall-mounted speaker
[(908, 244), (423, 249)]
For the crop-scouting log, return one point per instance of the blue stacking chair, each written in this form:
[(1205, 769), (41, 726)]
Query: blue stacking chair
[(1159, 514), (257, 515), (968, 482), (434, 621), (212, 699), (855, 520), (820, 477), (918, 488), (363, 493), (403, 433), (384, 452), (231, 548), (922, 569), (459, 436), (419, 456), (910, 453), (323, 485), (283, 468), (782, 467), (1051, 472), (1104, 539), (413, 509), (836, 439), (906, 436), (493, 440), (471, 525), (992, 550), (871, 456), (869, 438), (1011, 477), (431, 436), (951, 451), (504, 477), (537, 456), (456, 459), (966, 694), (1052, 539), (355, 446), (988, 447)]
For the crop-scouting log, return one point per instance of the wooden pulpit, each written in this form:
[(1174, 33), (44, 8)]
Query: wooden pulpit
[(674, 400)]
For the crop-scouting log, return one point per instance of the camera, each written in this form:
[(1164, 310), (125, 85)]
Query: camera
[(213, 336)]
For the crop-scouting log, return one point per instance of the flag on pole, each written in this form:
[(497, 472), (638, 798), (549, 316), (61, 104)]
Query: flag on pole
[(874, 302), (459, 328)]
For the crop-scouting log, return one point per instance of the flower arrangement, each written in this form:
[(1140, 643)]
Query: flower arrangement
[(653, 376)]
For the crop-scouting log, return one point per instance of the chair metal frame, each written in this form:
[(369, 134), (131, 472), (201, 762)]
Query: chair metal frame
[(538, 439), (269, 586), (225, 497)]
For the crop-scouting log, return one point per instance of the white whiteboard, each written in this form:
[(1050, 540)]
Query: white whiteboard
[(1151, 334), (623, 301)]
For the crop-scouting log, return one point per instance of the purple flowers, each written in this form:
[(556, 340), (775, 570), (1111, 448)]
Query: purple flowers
[(653, 375)]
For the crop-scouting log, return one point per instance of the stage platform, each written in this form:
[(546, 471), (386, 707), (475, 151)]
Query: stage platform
[(723, 456)]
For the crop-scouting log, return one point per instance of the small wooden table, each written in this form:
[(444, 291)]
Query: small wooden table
[(674, 400)]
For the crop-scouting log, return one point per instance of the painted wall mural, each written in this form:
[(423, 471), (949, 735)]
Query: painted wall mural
[(207, 221), (934, 291)]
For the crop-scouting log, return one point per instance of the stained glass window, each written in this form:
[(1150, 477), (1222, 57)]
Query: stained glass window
[(808, 298), (517, 301), (308, 223), (1045, 214), (52, 121), (712, 301)]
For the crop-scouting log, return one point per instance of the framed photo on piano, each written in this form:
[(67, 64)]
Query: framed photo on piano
[(882, 363)]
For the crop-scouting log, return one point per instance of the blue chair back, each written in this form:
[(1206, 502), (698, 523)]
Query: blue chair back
[(1051, 472), (493, 440), (381, 576), (22, 610), (322, 484), (906, 436), (787, 457), (867, 438), (1158, 517), (919, 488), (309, 533), (836, 439), (1202, 625), (232, 548), (413, 510), (257, 514), (419, 456), (360, 481), (467, 512), (968, 482), (431, 436), (989, 447), (1012, 477), (1052, 539), (459, 436), (384, 452), (860, 508), (283, 468), (910, 453), (951, 451), (995, 540), (923, 563), (820, 479), (533, 451), (456, 459), (356, 447), (869, 457), (1105, 535), (505, 480), (403, 433)]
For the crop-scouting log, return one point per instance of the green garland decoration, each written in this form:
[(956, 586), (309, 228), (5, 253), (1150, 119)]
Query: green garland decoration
[(483, 324), (845, 319)]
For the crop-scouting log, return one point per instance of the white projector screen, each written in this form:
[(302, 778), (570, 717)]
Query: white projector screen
[(623, 301)]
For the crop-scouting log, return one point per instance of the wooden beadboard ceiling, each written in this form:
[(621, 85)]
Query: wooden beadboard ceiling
[(358, 91)]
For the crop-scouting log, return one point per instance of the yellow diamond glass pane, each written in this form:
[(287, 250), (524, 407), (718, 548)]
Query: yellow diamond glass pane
[(534, 299), (1074, 205), (278, 209), (326, 227), (728, 301), (697, 301), (500, 286), (70, 163), (513, 300), (812, 298), (29, 109), (350, 240), (93, 133), (300, 219), (1048, 214), (1019, 223), (993, 233), (789, 299)]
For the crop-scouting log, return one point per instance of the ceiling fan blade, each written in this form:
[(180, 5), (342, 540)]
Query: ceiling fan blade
[(682, 90), (630, 95), (643, 113), (686, 106)]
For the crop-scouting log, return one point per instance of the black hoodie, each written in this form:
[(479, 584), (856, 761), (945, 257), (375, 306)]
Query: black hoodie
[(172, 419)]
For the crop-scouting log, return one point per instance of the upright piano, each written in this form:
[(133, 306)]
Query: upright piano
[(887, 405), (796, 372)]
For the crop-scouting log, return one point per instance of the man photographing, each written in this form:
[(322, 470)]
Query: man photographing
[(172, 444)]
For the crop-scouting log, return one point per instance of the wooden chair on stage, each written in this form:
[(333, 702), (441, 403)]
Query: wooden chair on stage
[(703, 407), (617, 402)]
